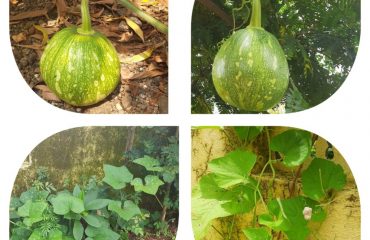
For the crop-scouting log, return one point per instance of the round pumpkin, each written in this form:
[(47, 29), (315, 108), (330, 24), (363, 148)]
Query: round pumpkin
[(250, 70), (81, 69)]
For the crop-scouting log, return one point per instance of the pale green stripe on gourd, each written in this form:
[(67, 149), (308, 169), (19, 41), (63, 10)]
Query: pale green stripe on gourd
[(80, 69)]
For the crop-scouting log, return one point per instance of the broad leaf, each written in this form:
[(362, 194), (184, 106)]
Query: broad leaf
[(32, 212), (77, 192), (232, 169), (257, 234), (78, 230), (101, 233), (248, 134), (64, 203), (117, 177), (203, 211), (322, 176), (150, 164), (92, 220), (97, 204), (34, 195), (129, 210), (152, 183), (295, 145), (287, 216)]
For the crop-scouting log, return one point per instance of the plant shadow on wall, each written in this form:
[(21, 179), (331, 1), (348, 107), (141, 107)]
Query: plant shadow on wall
[(134, 200), (77, 73), (271, 183), (319, 38)]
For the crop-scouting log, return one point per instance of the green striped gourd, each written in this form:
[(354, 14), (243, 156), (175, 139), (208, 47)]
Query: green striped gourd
[(250, 70), (80, 65)]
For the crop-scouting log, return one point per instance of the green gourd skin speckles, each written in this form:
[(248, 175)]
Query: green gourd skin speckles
[(80, 69), (80, 65), (250, 70)]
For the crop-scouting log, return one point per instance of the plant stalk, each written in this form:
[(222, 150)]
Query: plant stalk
[(144, 16), (86, 20), (256, 14)]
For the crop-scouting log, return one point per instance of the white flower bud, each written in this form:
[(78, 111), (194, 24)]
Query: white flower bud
[(307, 213)]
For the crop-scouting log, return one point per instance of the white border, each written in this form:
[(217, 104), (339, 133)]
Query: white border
[(26, 120)]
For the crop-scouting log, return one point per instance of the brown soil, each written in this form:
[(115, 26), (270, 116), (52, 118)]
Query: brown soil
[(143, 87)]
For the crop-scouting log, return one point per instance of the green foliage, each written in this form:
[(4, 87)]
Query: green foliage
[(321, 177), (294, 145), (320, 41), (257, 234), (231, 187), (91, 211)]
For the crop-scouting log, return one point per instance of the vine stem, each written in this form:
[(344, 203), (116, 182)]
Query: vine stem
[(259, 192), (231, 228), (86, 20), (146, 17), (270, 160), (256, 14), (159, 201)]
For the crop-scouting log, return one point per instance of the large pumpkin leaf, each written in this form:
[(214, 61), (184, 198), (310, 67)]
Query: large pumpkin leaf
[(117, 177), (34, 195), (248, 134), (295, 145), (322, 176), (152, 183), (287, 216), (203, 211), (232, 169), (257, 234), (101, 233), (64, 203), (150, 164), (130, 209), (54, 234)]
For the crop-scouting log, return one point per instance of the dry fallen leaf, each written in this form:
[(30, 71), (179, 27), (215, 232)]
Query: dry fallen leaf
[(30, 14), (126, 36), (14, 2), (139, 57), (134, 26), (146, 74), (20, 37), (45, 36), (61, 8)]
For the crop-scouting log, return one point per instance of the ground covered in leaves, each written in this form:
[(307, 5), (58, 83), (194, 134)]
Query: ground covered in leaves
[(144, 81)]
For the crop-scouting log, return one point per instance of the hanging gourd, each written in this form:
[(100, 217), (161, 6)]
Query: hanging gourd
[(79, 64), (250, 70)]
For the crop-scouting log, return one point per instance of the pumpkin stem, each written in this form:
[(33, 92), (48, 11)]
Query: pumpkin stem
[(86, 21), (256, 14)]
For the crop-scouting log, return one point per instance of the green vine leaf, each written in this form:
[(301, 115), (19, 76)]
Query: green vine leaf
[(257, 234), (236, 200), (130, 209), (232, 169), (322, 176), (152, 183), (92, 220), (116, 177), (294, 145), (288, 216), (64, 203), (203, 212), (248, 134), (150, 164)]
